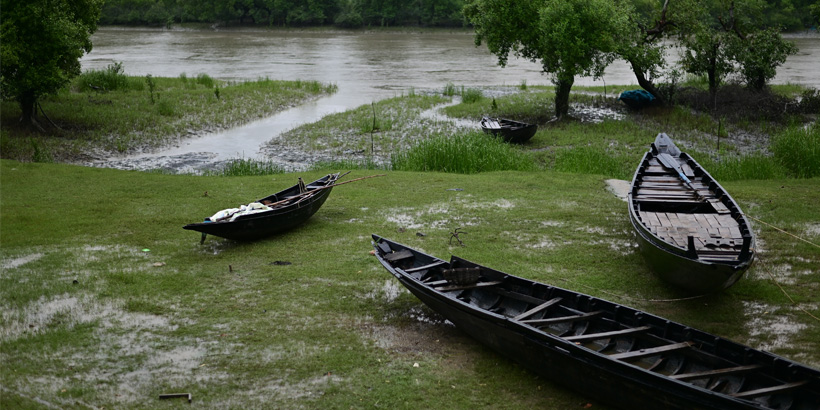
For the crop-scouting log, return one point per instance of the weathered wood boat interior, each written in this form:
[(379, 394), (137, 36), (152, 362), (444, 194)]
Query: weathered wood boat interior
[(622, 334), (694, 218)]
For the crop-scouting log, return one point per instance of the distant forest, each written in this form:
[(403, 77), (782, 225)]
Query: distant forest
[(791, 15)]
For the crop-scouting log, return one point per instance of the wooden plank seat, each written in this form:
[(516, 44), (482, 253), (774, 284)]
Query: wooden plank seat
[(716, 372), (396, 256), (538, 308), (766, 391), (465, 287), (651, 351), (428, 266), (564, 319), (607, 335)]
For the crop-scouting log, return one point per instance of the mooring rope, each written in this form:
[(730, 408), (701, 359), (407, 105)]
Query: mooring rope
[(768, 271), (629, 297), (781, 230)]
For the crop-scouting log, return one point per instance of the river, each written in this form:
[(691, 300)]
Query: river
[(366, 66)]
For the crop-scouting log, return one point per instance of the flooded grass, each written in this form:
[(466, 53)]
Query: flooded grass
[(142, 114), (114, 304)]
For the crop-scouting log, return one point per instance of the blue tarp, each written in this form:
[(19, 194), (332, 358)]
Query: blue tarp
[(637, 98)]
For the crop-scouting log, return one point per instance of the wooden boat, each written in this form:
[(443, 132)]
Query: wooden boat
[(690, 231), (609, 352), (509, 130), (287, 209)]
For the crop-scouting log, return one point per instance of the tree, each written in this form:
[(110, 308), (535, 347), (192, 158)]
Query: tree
[(568, 37), (41, 42), (728, 38), (643, 46)]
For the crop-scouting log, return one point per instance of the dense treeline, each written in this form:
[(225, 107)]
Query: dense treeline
[(343, 13), (790, 15)]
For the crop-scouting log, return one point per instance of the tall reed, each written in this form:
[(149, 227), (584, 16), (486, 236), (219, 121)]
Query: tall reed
[(798, 150), (467, 153)]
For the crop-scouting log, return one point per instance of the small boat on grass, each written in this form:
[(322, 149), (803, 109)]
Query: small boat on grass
[(509, 130), (608, 352), (270, 215), (690, 231)]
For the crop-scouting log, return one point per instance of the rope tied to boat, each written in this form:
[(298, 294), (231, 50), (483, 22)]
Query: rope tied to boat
[(781, 230)]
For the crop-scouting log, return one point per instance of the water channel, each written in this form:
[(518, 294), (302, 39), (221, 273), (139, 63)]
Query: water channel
[(366, 66)]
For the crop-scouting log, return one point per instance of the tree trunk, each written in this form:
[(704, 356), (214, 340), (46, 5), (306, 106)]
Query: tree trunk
[(563, 84), (27, 102), (647, 84)]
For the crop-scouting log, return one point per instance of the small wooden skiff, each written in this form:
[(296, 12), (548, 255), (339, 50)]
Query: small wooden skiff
[(690, 231), (609, 352)]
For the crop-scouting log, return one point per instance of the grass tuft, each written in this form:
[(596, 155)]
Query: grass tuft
[(798, 150), (468, 153), (247, 167)]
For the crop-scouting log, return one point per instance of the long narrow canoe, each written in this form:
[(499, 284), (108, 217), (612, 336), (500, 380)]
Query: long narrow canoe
[(285, 210), (690, 231), (608, 352), (509, 130)]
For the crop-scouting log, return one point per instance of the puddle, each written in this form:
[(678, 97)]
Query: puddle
[(812, 229), (595, 115), (772, 327), (390, 290), (619, 188), (14, 263)]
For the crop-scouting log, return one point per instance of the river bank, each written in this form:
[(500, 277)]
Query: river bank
[(117, 304)]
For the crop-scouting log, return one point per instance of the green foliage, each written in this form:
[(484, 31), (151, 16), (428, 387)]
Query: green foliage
[(205, 79), (242, 167), (41, 43), (111, 78), (747, 167), (798, 149), (468, 153), (569, 38), (471, 95), (592, 160), (343, 13), (759, 54)]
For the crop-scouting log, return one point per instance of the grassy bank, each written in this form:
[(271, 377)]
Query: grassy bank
[(107, 302), (105, 113)]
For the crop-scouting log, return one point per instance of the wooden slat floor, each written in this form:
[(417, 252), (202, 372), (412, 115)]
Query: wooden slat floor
[(716, 235)]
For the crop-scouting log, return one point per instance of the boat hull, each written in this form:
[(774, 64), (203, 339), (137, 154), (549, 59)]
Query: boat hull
[(265, 224), (510, 131), (608, 352), (690, 231)]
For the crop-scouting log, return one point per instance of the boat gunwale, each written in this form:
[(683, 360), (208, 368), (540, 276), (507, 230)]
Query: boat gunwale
[(779, 367)]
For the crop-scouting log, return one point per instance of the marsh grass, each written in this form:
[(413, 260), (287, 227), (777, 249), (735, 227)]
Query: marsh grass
[(465, 153), (126, 116), (90, 317), (397, 125), (242, 167), (798, 150)]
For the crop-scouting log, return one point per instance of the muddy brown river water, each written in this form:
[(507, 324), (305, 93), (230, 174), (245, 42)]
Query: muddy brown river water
[(366, 67)]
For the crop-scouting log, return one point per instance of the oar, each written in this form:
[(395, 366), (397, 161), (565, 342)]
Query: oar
[(670, 162), (312, 191)]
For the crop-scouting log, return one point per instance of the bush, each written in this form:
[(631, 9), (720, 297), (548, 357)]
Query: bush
[(464, 154)]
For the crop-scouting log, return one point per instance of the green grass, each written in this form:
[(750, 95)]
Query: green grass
[(798, 150), (108, 303), (467, 153), (91, 317), (127, 114)]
